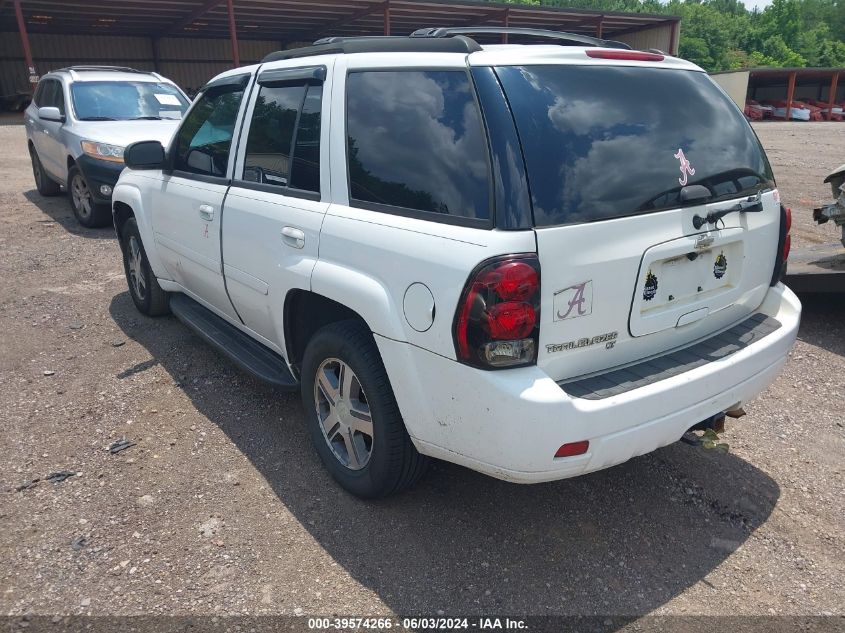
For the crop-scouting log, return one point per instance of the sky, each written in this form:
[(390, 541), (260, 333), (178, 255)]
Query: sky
[(760, 4)]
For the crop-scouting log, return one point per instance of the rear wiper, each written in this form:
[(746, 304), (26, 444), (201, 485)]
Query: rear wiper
[(96, 118), (749, 205)]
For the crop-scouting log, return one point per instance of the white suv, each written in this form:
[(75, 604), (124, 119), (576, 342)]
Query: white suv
[(79, 122), (532, 260)]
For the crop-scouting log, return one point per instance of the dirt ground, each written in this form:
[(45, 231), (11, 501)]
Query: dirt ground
[(221, 506), (801, 160)]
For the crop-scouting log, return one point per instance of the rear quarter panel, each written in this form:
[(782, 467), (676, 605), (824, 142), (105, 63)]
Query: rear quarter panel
[(368, 259)]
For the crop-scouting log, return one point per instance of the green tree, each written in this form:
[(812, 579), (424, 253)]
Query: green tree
[(724, 35)]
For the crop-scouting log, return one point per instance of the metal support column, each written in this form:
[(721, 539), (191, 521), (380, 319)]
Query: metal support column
[(27, 51), (387, 18), (790, 93), (831, 97), (507, 24), (233, 34)]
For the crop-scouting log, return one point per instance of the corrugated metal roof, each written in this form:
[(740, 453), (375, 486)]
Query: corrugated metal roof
[(305, 20)]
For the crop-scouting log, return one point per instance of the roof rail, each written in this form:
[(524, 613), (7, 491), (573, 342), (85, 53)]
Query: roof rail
[(120, 69), (570, 39), (378, 44)]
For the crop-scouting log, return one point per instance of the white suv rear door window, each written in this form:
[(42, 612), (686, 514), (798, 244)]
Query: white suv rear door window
[(416, 142), (283, 147)]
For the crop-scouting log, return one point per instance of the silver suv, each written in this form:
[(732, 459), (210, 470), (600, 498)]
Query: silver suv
[(79, 121)]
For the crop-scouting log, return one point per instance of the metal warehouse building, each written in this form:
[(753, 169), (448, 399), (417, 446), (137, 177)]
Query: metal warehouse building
[(190, 41)]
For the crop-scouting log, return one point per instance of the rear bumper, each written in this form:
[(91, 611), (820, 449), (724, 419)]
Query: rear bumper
[(98, 173), (509, 424)]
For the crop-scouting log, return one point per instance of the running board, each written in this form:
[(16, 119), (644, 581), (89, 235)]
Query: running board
[(244, 351)]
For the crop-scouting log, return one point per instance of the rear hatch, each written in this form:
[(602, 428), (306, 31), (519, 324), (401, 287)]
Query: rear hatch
[(620, 160)]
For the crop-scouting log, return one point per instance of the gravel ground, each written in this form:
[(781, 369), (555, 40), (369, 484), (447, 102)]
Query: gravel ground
[(221, 506)]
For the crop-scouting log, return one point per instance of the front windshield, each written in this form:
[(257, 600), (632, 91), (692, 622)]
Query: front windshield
[(126, 101)]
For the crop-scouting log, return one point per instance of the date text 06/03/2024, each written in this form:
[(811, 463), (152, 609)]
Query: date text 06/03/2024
[(418, 623)]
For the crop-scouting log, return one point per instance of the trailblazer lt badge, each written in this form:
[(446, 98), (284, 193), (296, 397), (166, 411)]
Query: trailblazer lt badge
[(574, 301), (721, 266), (609, 340), (650, 288)]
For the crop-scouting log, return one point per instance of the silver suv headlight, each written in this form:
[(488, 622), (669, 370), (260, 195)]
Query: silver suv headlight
[(103, 151)]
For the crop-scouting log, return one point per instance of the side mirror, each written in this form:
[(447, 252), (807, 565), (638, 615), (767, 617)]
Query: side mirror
[(144, 155), (200, 162), (50, 113)]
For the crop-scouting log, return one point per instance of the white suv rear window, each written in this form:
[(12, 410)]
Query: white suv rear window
[(609, 141)]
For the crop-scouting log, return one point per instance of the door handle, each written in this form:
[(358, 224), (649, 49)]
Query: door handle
[(206, 212), (293, 237)]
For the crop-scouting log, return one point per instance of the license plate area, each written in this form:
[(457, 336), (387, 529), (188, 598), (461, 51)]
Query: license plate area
[(684, 280)]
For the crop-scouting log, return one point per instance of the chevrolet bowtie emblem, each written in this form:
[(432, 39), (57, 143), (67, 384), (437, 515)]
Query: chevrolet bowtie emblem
[(703, 241)]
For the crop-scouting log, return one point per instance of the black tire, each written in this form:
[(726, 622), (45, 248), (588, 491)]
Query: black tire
[(88, 213), (393, 464), (45, 185), (148, 297)]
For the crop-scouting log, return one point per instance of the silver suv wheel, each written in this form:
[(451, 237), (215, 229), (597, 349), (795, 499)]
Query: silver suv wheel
[(81, 195), (343, 413)]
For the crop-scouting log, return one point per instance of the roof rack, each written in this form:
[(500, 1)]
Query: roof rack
[(571, 39), (120, 69), (433, 40), (379, 44)]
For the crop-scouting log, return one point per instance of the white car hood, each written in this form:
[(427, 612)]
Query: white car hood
[(125, 132)]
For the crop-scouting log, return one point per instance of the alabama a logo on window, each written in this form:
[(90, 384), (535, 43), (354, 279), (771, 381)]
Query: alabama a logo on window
[(574, 301), (686, 168)]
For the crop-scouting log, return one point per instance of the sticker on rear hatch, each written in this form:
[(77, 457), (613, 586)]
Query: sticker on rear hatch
[(575, 301), (650, 288), (721, 265), (686, 167)]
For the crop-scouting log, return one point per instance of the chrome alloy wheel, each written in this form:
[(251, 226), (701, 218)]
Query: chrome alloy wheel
[(81, 195), (136, 271), (343, 413)]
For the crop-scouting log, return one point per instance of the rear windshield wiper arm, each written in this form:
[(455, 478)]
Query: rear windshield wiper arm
[(749, 205)]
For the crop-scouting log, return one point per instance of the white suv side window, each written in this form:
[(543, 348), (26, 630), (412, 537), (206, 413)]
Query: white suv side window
[(416, 145), (204, 140), (283, 147)]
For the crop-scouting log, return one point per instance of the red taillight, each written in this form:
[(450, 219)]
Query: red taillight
[(784, 243), (573, 448), (639, 56), (518, 281), (509, 320), (787, 241), (497, 322)]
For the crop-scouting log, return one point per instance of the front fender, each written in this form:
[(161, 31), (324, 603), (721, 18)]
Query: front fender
[(129, 193)]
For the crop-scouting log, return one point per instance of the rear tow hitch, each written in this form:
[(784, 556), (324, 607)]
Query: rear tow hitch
[(711, 426)]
